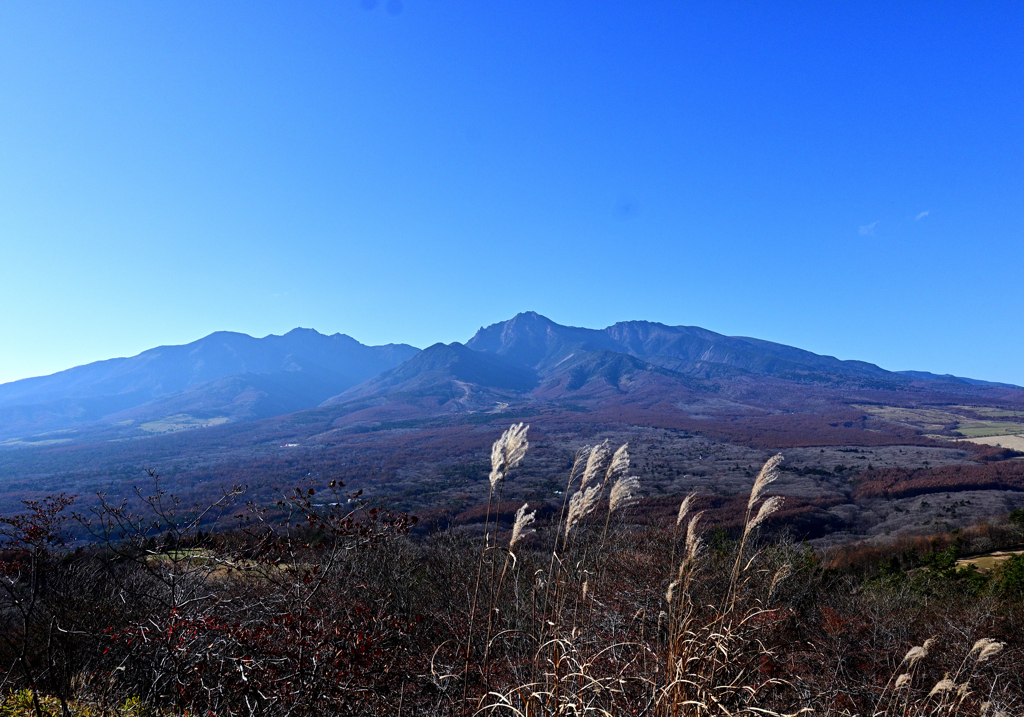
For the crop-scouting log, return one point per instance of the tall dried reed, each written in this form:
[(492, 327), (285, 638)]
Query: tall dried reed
[(688, 657)]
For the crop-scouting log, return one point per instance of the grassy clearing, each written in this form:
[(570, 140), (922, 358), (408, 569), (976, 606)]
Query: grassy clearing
[(22, 704), (934, 421), (982, 429), (44, 442), (1015, 442), (931, 419), (181, 422), (991, 412), (988, 563)]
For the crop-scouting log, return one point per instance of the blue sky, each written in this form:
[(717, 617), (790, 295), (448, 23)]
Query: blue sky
[(843, 177)]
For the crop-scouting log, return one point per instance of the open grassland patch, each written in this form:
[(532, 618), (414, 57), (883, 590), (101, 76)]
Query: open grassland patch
[(991, 412), (930, 419), (981, 429), (1014, 442), (182, 422), (962, 420), (990, 561)]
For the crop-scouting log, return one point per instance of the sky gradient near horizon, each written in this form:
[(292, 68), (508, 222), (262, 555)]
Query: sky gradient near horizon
[(847, 178)]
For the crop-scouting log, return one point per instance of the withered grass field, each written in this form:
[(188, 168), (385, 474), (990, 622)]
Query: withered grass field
[(586, 608)]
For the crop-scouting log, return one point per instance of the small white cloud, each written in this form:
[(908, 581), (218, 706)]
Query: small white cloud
[(921, 216), (868, 230)]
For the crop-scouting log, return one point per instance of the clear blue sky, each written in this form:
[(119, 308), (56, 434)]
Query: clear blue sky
[(844, 177)]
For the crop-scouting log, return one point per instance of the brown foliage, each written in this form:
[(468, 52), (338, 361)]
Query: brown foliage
[(907, 482)]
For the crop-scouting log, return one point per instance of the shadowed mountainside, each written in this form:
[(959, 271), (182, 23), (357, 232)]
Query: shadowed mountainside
[(530, 359), (225, 374)]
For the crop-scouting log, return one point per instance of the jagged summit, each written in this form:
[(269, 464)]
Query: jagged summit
[(536, 341)]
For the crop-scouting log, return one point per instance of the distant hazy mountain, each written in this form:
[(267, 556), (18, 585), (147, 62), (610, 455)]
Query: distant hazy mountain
[(225, 375)]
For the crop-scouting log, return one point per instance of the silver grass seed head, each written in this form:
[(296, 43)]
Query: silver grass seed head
[(693, 541), (619, 463), (507, 452), (624, 493), (902, 681), (981, 644), (581, 504), (928, 644), (520, 529), (768, 508), (990, 650), (942, 686), (769, 473), (914, 654), (595, 463), (671, 591), (781, 574), (684, 508)]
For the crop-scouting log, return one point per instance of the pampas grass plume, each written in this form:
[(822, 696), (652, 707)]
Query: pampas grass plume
[(623, 493), (781, 574), (671, 591), (620, 462), (598, 455), (520, 529), (914, 654), (582, 504), (693, 541), (768, 508), (684, 508), (769, 473), (507, 452), (992, 649)]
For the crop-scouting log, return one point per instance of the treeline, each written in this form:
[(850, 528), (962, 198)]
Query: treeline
[(909, 482)]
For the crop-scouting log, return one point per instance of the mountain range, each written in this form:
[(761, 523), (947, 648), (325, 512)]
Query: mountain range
[(234, 378), (226, 376)]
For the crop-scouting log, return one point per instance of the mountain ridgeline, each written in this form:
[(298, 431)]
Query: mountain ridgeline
[(225, 376), (531, 358), (231, 378)]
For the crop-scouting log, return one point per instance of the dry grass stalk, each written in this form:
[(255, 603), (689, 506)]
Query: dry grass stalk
[(520, 529), (684, 508), (507, 452), (943, 685), (769, 507), (624, 494), (582, 504), (768, 475), (595, 463), (693, 540)]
